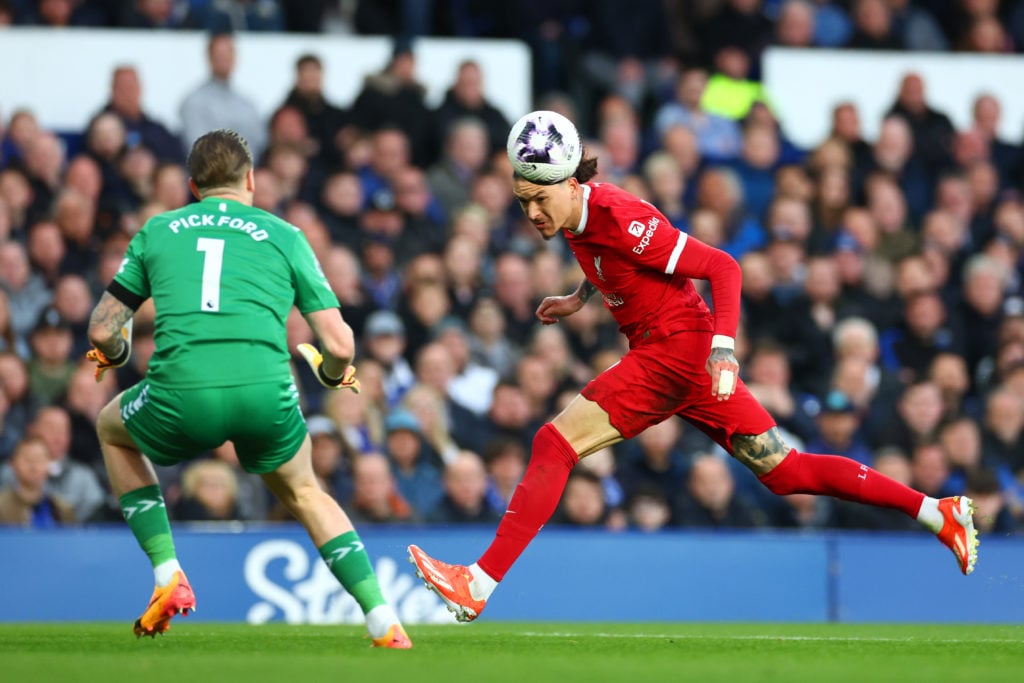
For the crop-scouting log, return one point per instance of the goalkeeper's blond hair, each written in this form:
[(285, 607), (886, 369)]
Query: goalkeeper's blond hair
[(219, 159)]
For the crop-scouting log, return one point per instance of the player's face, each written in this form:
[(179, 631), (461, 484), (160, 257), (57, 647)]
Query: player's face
[(549, 207)]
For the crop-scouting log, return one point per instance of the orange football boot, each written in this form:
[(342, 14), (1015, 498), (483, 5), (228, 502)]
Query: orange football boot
[(167, 601), (450, 582), (958, 532)]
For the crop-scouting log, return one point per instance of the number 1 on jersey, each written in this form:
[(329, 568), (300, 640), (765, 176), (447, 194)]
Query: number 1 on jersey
[(212, 263)]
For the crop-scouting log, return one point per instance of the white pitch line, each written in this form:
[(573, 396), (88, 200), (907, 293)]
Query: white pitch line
[(838, 639)]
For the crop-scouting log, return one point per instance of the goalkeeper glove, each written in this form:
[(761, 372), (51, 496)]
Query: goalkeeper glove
[(103, 363), (315, 359)]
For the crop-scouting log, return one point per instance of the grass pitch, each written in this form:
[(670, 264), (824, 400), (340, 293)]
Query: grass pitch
[(193, 652)]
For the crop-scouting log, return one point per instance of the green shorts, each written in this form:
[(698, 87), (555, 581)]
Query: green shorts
[(174, 425)]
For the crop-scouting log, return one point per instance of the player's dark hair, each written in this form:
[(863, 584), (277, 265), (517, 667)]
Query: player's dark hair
[(221, 158), (587, 168)]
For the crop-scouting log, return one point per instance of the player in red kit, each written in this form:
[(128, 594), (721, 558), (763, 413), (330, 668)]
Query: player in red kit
[(680, 362)]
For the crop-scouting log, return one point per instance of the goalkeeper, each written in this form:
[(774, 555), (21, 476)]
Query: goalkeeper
[(223, 276)]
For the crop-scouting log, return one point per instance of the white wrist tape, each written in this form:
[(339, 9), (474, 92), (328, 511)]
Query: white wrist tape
[(726, 382), (720, 341)]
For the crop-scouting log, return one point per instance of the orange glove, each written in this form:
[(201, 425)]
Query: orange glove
[(315, 359), (103, 363)]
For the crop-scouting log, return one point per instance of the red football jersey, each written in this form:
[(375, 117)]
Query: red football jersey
[(635, 258)]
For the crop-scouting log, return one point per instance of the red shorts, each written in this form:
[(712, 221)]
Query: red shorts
[(658, 379)]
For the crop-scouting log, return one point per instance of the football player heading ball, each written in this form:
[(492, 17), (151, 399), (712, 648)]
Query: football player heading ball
[(680, 362)]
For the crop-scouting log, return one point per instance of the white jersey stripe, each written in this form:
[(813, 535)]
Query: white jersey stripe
[(674, 258)]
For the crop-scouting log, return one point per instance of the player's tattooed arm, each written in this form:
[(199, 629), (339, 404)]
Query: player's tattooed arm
[(759, 452), (585, 291), (105, 324)]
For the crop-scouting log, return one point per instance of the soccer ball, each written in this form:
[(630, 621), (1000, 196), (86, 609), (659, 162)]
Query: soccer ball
[(544, 147)]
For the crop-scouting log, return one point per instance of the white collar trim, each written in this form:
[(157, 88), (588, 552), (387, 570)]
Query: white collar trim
[(586, 211)]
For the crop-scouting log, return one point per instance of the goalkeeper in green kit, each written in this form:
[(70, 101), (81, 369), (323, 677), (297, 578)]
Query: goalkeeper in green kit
[(223, 276)]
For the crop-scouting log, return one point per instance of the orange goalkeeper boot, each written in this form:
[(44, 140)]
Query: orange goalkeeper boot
[(396, 639), (450, 582), (958, 532), (167, 601)]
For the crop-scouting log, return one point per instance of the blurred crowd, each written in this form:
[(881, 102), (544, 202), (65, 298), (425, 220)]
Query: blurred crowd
[(883, 316)]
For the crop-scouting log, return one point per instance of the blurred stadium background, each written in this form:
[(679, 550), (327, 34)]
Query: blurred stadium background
[(862, 159)]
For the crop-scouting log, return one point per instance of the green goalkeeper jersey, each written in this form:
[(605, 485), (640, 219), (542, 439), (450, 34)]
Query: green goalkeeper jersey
[(223, 277)]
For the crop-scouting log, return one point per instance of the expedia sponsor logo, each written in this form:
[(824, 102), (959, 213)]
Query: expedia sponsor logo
[(636, 228), (652, 225)]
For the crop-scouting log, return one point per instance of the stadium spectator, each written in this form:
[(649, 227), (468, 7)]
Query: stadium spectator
[(930, 468), (986, 113), (84, 400), (433, 407), (384, 335), (216, 103), (915, 27), (126, 102), (1003, 434), (50, 368), (393, 97), (770, 379), (737, 23), (488, 341), (918, 416), (838, 429), (44, 160), (424, 229), (152, 14), (209, 490), (251, 499), (994, 514), (76, 484), (655, 461), (27, 294), (717, 137), (375, 496), (324, 120), (648, 510), (463, 156), (719, 190), (19, 404), (795, 26), (228, 16), (710, 500), (932, 129), (26, 500), (465, 493), (412, 462), (873, 27), (583, 504), (46, 250), (505, 461), (465, 99)]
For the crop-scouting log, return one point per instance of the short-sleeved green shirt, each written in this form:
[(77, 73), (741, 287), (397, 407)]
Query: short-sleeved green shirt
[(223, 277)]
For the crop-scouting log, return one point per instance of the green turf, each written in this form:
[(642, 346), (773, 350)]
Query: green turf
[(193, 652)]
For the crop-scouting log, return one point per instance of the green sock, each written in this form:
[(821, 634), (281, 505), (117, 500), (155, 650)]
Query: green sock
[(350, 564), (146, 515)]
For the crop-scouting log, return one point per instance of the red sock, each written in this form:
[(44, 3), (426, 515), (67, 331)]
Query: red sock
[(533, 502), (833, 475)]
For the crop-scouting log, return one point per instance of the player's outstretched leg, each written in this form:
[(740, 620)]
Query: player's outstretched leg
[(958, 532), (832, 475), (332, 532), (132, 478), (455, 584)]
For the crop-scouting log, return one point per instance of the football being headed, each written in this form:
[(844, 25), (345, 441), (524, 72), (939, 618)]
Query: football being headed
[(544, 147)]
